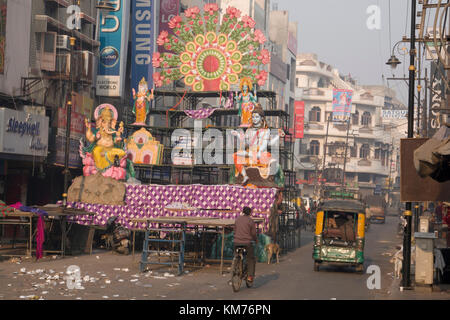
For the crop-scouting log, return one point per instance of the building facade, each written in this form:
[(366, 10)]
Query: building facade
[(35, 82), (363, 149)]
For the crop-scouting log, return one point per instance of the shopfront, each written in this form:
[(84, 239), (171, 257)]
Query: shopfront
[(23, 151)]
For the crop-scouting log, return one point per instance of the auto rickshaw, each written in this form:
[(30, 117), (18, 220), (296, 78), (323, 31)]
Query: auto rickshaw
[(340, 234)]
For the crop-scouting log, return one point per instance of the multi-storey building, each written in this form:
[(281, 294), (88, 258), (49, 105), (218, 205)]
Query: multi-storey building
[(363, 149), (35, 81), (283, 36)]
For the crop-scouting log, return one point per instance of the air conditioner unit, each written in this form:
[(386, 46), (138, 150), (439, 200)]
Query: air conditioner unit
[(63, 64), (46, 50), (87, 65), (63, 42)]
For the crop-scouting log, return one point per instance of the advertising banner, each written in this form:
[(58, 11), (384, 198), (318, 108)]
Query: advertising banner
[(23, 133), (113, 37), (292, 43), (82, 104), (76, 124), (74, 154), (342, 105), (88, 107), (436, 117), (278, 68), (167, 10), (2, 35), (299, 119), (142, 37)]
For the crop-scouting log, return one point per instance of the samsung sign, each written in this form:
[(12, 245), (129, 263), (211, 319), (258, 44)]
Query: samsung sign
[(23, 133), (142, 38)]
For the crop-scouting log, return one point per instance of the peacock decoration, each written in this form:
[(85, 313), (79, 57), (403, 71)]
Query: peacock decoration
[(209, 55)]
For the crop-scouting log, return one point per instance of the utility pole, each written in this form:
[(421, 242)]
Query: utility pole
[(419, 87), (324, 153), (406, 271), (345, 154), (425, 108)]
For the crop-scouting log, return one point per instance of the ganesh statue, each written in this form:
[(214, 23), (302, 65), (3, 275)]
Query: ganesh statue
[(105, 152), (254, 165)]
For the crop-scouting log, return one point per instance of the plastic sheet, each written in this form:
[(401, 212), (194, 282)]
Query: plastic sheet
[(260, 252)]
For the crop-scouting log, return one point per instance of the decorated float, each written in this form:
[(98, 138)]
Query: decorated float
[(210, 56)]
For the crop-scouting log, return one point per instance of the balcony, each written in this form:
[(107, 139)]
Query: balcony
[(59, 3), (317, 94), (314, 126), (44, 23), (340, 126), (364, 163), (337, 160), (366, 130)]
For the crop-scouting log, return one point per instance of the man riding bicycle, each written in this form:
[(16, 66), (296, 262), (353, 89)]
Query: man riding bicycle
[(244, 236)]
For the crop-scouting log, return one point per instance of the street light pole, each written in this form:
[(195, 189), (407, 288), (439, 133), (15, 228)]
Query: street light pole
[(68, 124), (406, 274)]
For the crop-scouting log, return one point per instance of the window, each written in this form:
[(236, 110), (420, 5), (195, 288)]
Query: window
[(49, 42), (364, 152), (355, 118), (353, 152), (383, 158), (366, 119), (314, 114), (364, 177), (321, 83), (303, 148), (314, 148), (377, 154)]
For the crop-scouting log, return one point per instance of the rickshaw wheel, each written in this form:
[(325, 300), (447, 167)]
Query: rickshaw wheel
[(316, 266)]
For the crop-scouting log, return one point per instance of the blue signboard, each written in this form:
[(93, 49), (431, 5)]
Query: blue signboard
[(377, 190), (142, 37), (113, 36)]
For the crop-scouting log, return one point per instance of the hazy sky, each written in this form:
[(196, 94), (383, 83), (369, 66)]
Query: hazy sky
[(337, 32)]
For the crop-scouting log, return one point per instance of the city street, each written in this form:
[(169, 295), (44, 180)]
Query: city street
[(174, 129), (115, 277)]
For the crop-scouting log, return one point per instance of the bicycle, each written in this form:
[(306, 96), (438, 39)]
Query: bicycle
[(240, 269)]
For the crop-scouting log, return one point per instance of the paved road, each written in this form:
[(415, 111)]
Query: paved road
[(115, 277), (294, 278)]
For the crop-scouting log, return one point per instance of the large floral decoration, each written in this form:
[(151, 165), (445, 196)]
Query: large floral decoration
[(209, 55)]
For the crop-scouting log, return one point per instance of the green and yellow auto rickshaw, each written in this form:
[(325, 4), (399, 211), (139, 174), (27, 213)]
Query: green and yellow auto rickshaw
[(339, 237)]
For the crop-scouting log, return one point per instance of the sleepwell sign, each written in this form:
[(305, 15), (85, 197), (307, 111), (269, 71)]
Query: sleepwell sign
[(113, 37), (142, 35), (23, 133)]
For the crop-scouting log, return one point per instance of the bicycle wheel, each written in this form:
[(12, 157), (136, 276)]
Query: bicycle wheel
[(236, 279)]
